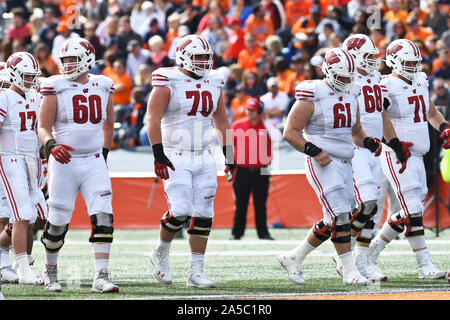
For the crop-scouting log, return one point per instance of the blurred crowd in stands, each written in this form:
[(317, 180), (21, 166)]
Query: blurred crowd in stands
[(264, 48)]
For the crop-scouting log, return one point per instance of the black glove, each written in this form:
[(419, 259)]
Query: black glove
[(105, 152), (401, 149), (373, 144), (230, 165), (161, 162)]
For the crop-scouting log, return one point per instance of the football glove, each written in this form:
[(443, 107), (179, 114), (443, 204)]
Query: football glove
[(373, 144), (445, 135), (58, 151), (401, 149), (161, 162), (230, 165)]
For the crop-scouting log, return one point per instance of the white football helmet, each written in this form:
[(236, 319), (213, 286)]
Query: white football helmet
[(361, 46), (337, 65), (4, 75), (188, 48), (85, 53), (18, 66), (401, 51)]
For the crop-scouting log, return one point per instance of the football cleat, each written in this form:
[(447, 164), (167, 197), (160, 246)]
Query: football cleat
[(199, 280), (160, 261), (294, 270), (50, 276), (355, 279), (339, 268), (8, 275), (28, 276), (374, 273), (427, 270), (102, 284)]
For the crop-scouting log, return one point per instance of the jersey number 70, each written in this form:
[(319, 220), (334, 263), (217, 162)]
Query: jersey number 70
[(206, 100)]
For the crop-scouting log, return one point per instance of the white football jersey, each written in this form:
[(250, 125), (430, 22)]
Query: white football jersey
[(330, 126), (370, 103), (18, 133), (81, 111), (408, 109), (187, 122)]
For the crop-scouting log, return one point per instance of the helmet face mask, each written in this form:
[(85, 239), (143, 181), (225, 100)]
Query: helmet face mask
[(23, 70), (194, 54), (78, 48), (404, 57)]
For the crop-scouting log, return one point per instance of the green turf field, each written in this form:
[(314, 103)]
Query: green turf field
[(245, 268)]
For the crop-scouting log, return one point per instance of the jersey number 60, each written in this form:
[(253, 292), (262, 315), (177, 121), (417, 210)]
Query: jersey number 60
[(92, 112)]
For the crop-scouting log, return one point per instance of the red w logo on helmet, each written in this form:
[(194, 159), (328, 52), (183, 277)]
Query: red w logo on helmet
[(2, 67), (184, 44), (332, 58), (13, 62), (355, 43), (394, 49), (88, 46)]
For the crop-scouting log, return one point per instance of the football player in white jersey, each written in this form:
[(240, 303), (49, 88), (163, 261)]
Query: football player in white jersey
[(19, 150), (185, 103), (327, 113), (76, 126), (366, 166), (410, 110)]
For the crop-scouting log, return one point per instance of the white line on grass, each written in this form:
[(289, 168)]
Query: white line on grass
[(232, 242)]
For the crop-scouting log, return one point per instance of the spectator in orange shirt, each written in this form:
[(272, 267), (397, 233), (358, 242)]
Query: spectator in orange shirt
[(282, 72), (295, 77), (238, 102), (173, 22), (48, 66), (378, 39), (415, 11), (235, 40), (296, 9), (305, 23), (247, 57), (259, 25), (395, 12), (122, 94), (415, 30)]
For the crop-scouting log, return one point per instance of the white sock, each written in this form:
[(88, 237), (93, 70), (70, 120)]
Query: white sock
[(347, 262), (22, 260), (197, 261), (51, 258), (416, 242), (360, 250), (163, 245), (380, 241), (101, 263), (4, 257), (302, 250)]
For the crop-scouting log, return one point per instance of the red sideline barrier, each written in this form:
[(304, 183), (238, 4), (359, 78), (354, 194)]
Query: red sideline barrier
[(291, 201)]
